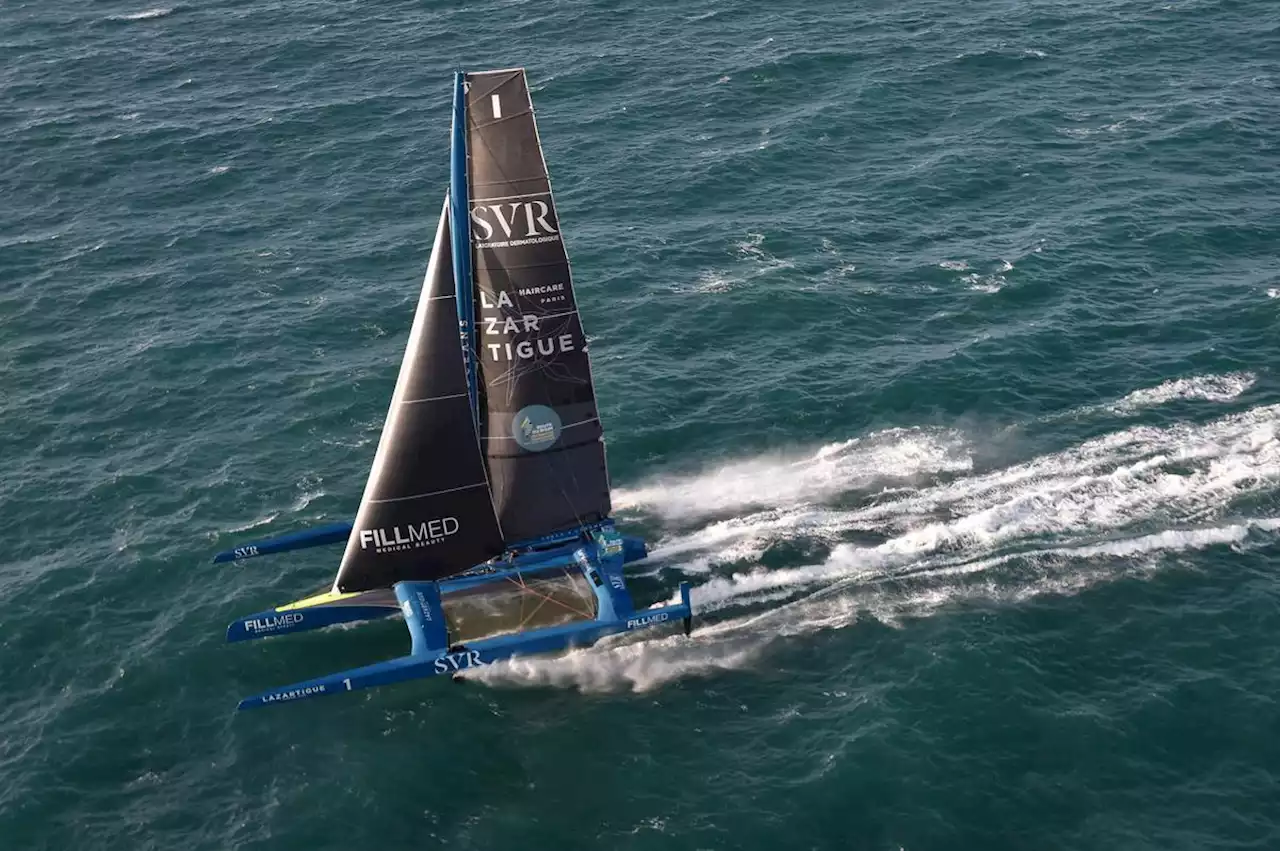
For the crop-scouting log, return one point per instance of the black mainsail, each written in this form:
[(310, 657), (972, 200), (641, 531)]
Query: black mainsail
[(542, 438), (426, 512)]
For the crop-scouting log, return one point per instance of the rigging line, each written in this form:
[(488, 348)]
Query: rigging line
[(522, 267), (472, 365), (497, 437), (582, 593), (509, 197), (507, 75), (536, 609), (496, 162), (493, 122), (590, 382), (523, 586)]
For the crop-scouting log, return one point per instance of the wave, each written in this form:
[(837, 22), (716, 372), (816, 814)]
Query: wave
[(306, 498), (1211, 388), (753, 262), (253, 524), (145, 15)]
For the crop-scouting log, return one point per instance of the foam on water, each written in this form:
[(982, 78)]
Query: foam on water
[(1057, 523), (782, 478), (253, 524), (854, 592), (1212, 388), (145, 15), (1181, 474), (751, 262)]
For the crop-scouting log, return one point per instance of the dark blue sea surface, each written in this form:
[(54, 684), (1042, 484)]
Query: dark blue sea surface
[(935, 343)]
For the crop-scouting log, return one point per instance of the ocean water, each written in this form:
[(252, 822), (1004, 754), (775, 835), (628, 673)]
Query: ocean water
[(935, 343)]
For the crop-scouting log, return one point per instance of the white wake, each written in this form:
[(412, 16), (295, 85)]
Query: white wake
[(901, 523)]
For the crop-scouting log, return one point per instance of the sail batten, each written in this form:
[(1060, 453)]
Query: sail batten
[(539, 425), (432, 493)]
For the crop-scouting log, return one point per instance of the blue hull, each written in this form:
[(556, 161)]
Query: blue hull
[(334, 533), (337, 533), (427, 661), (593, 561)]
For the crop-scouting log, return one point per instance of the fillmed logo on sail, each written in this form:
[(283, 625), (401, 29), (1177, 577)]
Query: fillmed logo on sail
[(409, 537)]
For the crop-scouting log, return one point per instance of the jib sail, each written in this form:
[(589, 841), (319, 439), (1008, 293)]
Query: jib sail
[(426, 511)]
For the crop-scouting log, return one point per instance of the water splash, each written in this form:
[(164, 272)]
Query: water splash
[(780, 479), (1212, 388), (1057, 523)]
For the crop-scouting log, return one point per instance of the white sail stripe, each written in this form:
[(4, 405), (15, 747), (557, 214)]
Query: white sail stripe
[(542, 316), (439, 297), (432, 493), (539, 316), (433, 399), (509, 197), (562, 428)]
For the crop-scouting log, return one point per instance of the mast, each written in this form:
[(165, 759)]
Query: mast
[(461, 237)]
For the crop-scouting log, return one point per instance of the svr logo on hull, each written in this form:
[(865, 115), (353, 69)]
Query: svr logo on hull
[(635, 623), (459, 661)]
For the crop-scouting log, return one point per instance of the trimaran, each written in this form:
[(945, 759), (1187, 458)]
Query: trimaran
[(485, 519)]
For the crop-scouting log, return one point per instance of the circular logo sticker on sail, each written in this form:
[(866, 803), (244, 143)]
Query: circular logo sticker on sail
[(536, 428)]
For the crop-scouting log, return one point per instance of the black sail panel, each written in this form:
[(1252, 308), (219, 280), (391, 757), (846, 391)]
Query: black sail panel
[(541, 432), (426, 511)]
